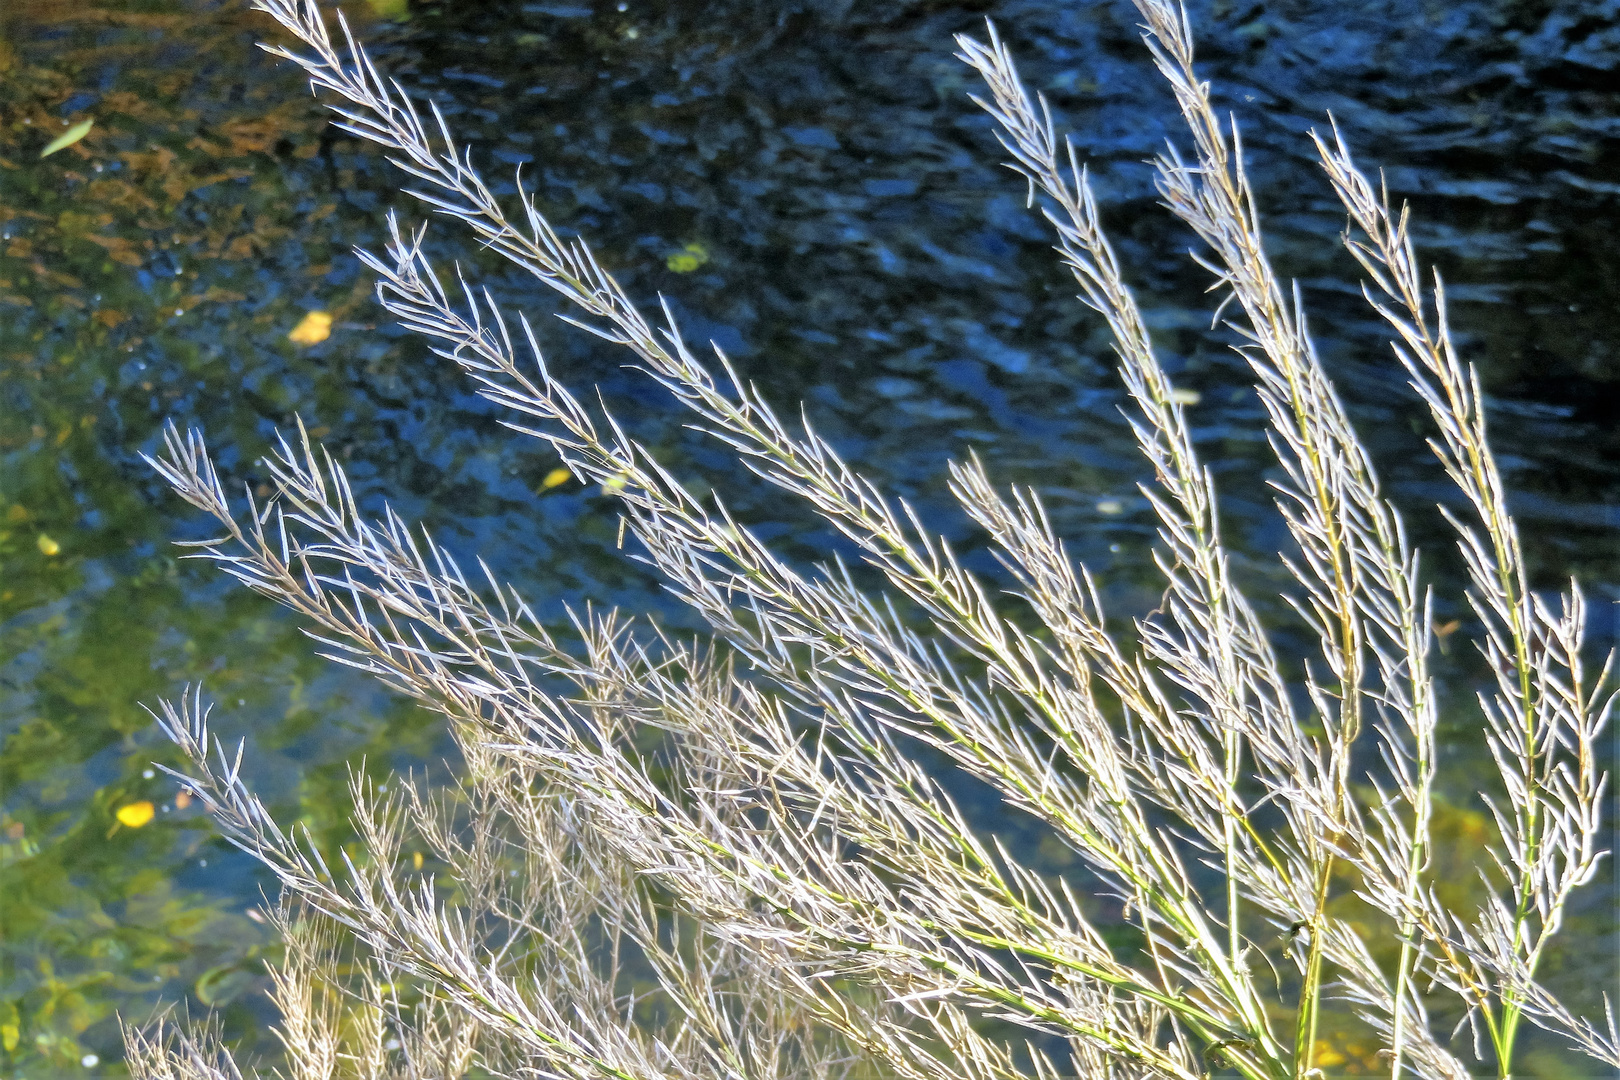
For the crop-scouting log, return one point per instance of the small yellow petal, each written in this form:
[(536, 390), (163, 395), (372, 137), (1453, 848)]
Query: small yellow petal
[(313, 329), (555, 478), (48, 546), (135, 814), (416, 860)]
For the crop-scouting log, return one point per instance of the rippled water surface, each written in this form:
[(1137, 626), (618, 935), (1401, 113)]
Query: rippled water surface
[(810, 187)]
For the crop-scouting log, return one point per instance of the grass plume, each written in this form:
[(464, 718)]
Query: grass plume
[(727, 859)]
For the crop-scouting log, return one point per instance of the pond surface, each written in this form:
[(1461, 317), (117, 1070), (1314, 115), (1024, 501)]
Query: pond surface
[(811, 188)]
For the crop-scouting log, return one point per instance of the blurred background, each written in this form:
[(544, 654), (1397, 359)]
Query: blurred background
[(810, 187)]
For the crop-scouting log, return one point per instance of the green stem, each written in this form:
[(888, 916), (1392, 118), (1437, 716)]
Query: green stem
[(1310, 989)]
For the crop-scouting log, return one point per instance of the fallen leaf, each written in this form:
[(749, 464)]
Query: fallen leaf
[(555, 478), (48, 546), (416, 860), (182, 799), (1110, 506), (314, 328), (135, 814), (68, 138), (688, 259), (1328, 1056), (1185, 397)]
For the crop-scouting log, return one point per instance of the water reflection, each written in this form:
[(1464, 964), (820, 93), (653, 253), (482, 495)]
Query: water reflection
[(808, 185)]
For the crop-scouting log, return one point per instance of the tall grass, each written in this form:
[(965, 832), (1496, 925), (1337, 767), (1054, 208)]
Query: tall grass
[(669, 859)]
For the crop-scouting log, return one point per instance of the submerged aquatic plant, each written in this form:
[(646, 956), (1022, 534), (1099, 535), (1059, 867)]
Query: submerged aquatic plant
[(735, 859)]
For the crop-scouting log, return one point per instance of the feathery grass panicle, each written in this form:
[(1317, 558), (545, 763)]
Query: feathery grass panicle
[(673, 859)]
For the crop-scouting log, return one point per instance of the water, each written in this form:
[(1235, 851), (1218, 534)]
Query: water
[(809, 186)]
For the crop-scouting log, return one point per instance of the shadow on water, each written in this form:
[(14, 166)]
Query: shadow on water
[(809, 186)]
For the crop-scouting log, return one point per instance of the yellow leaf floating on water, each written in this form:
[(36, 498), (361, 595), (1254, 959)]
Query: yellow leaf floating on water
[(416, 860), (68, 138), (1185, 397), (47, 546), (135, 814), (555, 478), (313, 329), (688, 259), (1110, 506)]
